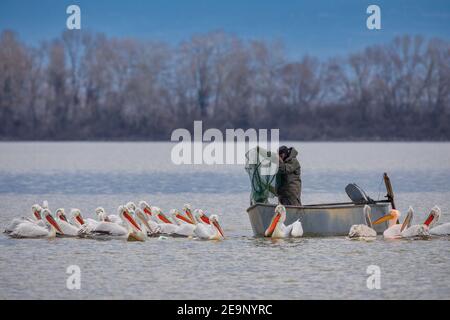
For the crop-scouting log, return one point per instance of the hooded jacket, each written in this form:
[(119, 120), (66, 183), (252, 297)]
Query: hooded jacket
[(289, 183)]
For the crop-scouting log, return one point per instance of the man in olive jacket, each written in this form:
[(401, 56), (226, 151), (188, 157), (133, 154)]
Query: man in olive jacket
[(288, 183)]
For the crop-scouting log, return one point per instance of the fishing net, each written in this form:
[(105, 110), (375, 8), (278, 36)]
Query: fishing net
[(261, 166)]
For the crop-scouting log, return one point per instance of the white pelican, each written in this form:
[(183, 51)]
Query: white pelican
[(363, 231), (151, 220), (135, 232), (28, 229), (144, 206), (67, 229), (103, 216), (79, 221), (213, 231), (432, 220), (37, 219), (185, 227), (410, 231), (163, 221), (151, 227), (131, 206), (394, 229), (132, 231), (187, 209), (159, 216), (277, 229)]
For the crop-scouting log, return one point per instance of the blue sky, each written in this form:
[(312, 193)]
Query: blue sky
[(321, 28)]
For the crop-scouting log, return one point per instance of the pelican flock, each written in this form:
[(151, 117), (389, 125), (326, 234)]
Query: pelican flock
[(405, 230), (142, 221), (132, 223)]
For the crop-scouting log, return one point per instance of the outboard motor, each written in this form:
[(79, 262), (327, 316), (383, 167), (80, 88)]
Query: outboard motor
[(357, 195)]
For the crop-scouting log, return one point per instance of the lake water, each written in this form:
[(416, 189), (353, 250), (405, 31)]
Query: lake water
[(87, 175)]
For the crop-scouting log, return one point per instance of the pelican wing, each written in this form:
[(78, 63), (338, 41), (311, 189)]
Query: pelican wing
[(185, 230), (441, 230), (13, 225), (67, 228), (110, 228), (297, 229), (203, 231), (29, 230)]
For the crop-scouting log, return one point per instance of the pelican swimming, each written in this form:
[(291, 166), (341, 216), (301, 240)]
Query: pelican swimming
[(28, 229), (167, 226), (410, 231), (132, 230), (37, 219), (277, 229), (432, 220), (103, 216), (187, 209), (79, 221), (185, 227), (394, 229), (212, 231), (363, 231), (67, 229), (150, 226), (135, 232)]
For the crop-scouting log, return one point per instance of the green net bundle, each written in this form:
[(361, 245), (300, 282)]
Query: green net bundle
[(261, 166)]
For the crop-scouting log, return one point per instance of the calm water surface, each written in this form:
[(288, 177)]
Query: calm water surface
[(87, 175)]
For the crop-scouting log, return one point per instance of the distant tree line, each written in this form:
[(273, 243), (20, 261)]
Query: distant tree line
[(84, 86)]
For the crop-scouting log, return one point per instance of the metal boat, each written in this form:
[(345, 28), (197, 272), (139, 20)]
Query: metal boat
[(319, 220)]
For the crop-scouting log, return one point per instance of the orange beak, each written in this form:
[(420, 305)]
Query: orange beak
[(80, 220), (54, 223), (181, 217), (131, 220), (430, 219), (190, 216), (217, 225), (147, 211), (205, 219), (273, 225), (383, 219), (163, 218)]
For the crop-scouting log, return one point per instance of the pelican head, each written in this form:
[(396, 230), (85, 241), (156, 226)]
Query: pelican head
[(179, 218), (61, 214), (36, 209), (100, 210), (187, 208), (433, 217), (173, 214), (160, 215), (279, 217), (76, 214), (51, 221), (144, 206), (392, 217), (129, 220), (201, 216), (131, 206), (214, 219)]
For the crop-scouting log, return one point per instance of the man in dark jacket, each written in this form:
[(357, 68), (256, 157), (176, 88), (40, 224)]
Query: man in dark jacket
[(289, 183)]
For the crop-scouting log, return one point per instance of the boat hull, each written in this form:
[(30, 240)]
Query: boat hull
[(318, 220)]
